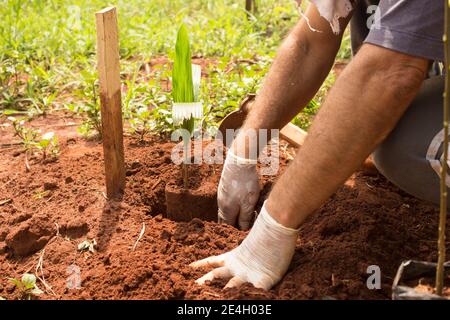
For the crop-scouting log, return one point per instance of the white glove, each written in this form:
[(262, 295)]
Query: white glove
[(262, 258), (238, 191), (332, 10)]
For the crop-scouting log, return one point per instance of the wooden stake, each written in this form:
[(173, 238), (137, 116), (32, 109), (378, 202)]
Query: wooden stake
[(443, 211), (110, 98), (250, 7)]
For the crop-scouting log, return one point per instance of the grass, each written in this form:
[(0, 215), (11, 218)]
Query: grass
[(33, 142), (26, 286), (47, 58)]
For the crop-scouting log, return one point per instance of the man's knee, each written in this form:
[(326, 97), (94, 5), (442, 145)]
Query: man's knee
[(402, 157)]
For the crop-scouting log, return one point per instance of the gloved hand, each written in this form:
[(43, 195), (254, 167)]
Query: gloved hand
[(238, 191), (262, 258)]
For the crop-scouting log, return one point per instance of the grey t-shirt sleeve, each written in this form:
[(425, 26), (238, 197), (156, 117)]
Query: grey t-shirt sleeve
[(414, 27)]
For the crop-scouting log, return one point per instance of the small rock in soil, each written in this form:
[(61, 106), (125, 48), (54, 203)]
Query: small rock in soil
[(156, 266), (131, 172), (199, 224), (50, 185), (3, 247), (107, 259), (20, 218), (308, 291), (61, 253), (180, 236), (135, 165), (33, 186), (68, 180), (368, 197), (167, 159), (76, 228), (107, 208), (219, 244), (354, 289), (166, 235), (10, 288), (3, 234), (30, 236), (71, 141), (176, 277)]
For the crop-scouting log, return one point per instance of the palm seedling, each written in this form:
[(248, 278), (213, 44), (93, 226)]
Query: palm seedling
[(185, 93)]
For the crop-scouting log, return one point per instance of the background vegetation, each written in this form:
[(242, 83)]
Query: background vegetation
[(47, 56)]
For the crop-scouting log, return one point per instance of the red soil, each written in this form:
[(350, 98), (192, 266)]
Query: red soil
[(56, 206)]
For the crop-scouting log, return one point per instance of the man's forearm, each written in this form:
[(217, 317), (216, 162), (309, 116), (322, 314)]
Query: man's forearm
[(302, 64), (367, 101)]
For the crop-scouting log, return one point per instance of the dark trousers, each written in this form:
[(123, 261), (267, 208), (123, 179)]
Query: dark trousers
[(410, 155)]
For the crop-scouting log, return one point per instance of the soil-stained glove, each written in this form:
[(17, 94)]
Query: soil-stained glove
[(332, 10), (262, 258), (238, 191)]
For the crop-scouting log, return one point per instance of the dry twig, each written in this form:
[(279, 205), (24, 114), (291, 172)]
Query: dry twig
[(5, 201), (42, 278), (140, 236)]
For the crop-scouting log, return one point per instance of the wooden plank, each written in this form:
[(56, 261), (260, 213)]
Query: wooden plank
[(293, 134), (110, 98)]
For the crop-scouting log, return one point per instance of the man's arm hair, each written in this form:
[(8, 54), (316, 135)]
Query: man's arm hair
[(301, 66), (369, 98)]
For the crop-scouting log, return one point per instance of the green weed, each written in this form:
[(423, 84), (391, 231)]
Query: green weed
[(27, 286), (31, 141)]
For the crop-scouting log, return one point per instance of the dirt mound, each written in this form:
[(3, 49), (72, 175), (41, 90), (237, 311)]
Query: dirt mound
[(367, 222), (31, 235)]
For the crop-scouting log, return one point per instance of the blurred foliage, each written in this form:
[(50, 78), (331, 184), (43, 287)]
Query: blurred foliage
[(47, 57)]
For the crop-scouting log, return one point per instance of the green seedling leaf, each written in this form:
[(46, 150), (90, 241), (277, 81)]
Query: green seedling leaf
[(16, 282), (29, 281), (8, 112), (27, 285), (44, 143), (143, 114), (182, 86), (183, 89), (41, 194)]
